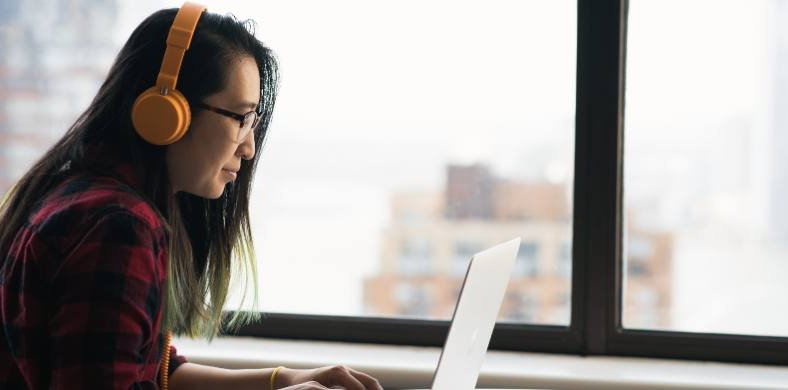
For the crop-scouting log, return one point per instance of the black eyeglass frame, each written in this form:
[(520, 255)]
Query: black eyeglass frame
[(239, 117)]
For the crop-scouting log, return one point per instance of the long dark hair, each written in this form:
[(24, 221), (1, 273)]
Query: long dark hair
[(204, 233)]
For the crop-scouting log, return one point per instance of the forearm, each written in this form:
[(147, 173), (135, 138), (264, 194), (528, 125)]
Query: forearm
[(199, 377)]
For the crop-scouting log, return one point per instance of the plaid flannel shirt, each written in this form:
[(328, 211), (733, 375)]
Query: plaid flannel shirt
[(81, 288)]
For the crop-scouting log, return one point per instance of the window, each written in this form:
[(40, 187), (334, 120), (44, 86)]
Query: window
[(565, 260), (705, 167), (463, 251), (527, 263), (402, 151), (415, 257), (413, 300), (409, 138)]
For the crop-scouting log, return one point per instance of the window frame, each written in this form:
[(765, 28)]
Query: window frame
[(596, 326)]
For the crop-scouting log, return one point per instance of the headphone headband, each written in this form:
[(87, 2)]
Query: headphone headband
[(178, 41), (161, 114)]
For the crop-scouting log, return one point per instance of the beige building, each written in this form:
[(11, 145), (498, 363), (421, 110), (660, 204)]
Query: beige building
[(647, 281), (432, 236)]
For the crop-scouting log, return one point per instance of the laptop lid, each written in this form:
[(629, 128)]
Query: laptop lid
[(474, 317)]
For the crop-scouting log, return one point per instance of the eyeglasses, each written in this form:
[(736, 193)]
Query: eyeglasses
[(247, 121)]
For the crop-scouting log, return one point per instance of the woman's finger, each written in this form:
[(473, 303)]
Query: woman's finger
[(346, 379), (311, 385), (369, 382), (351, 383)]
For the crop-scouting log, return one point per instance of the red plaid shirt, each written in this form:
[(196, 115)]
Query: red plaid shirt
[(81, 289)]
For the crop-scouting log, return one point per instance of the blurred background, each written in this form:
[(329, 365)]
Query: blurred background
[(408, 136)]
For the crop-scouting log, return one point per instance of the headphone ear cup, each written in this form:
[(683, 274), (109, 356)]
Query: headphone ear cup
[(161, 119)]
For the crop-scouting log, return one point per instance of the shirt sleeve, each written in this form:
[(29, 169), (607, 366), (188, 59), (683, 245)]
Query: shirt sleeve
[(106, 297), (175, 360)]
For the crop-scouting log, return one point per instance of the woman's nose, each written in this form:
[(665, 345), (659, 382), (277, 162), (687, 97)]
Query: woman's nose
[(246, 147)]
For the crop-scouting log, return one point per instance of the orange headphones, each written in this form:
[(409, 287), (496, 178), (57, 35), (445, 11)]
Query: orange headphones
[(161, 114)]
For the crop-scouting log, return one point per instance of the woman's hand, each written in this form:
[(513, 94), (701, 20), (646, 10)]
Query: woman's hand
[(329, 377)]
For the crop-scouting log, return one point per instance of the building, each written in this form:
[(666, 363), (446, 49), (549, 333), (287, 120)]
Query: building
[(432, 236)]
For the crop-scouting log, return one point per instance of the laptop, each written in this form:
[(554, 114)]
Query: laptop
[(474, 317)]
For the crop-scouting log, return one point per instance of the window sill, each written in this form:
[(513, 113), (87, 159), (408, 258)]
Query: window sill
[(412, 367)]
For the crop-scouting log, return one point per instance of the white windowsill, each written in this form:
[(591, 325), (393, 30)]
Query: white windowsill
[(412, 367)]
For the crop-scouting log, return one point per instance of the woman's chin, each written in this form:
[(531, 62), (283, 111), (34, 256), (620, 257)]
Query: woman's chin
[(216, 194)]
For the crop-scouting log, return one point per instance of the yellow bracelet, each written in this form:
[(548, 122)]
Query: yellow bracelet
[(273, 376)]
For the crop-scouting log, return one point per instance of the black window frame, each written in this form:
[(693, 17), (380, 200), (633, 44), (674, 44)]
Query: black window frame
[(595, 327)]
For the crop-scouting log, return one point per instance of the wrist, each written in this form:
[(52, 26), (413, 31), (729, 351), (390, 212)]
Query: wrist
[(283, 377)]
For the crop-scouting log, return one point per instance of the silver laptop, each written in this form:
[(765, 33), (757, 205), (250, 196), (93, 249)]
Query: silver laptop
[(474, 317)]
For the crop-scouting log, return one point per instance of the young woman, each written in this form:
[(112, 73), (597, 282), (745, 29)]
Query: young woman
[(124, 231)]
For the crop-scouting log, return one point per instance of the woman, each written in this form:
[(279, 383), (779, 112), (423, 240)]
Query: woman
[(124, 230)]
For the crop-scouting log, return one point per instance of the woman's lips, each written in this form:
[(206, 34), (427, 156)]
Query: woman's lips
[(232, 174)]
